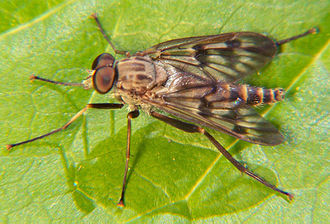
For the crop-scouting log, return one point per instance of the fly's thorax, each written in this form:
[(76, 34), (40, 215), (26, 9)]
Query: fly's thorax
[(139, 74)]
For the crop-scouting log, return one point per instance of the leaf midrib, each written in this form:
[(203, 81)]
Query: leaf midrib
[(36, 20)]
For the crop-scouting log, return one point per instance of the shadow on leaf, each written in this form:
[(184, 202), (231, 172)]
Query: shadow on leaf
[(166, 174)]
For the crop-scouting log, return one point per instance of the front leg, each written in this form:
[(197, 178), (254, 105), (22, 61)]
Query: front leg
[(88, 106), (131, 115)]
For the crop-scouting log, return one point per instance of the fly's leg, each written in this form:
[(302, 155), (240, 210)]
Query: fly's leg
[(310, 31), (193, 129), (94, 16), (130, 116), (33, 77), (88, 106)]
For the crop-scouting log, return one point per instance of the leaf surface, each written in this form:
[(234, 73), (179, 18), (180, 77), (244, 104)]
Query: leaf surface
[(76, 175)]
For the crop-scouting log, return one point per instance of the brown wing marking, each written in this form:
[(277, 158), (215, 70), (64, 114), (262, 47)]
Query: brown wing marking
[(224, 57)]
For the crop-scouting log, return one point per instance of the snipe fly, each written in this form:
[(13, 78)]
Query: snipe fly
[(193, 81)]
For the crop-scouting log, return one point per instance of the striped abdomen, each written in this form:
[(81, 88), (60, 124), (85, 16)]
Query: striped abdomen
[(220, 96), (225, 95), (252, 95)]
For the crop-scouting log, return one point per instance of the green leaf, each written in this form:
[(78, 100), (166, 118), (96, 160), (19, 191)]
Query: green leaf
[(76, 175)]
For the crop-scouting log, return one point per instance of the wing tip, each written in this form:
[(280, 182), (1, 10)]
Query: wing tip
[(271, 139)]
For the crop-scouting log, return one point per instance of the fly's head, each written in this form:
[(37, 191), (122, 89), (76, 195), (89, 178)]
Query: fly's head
[(103, 74)]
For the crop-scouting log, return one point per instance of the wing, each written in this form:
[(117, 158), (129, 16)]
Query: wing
[(224, 57), (207, 105)]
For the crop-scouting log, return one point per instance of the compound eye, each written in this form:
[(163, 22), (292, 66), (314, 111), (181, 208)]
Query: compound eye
[(103, 79), (102, 60)]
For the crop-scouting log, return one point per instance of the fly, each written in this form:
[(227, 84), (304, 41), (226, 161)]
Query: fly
[(194, 80)]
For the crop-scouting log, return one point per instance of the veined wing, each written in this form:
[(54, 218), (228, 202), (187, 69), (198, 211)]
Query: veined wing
[(224, 57), (208, 106)]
